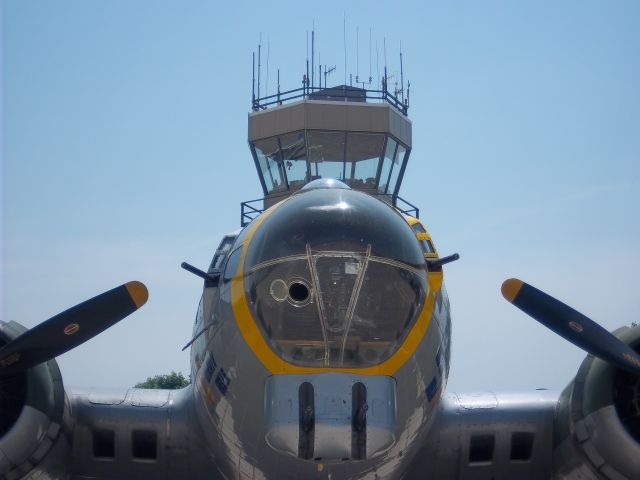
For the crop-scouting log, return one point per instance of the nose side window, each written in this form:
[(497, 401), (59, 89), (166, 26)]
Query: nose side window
[(231, 267)]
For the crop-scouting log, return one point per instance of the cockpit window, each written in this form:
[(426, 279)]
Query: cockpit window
[(335, 278)]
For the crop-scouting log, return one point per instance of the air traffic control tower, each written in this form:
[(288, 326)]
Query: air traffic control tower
[(361, 137)]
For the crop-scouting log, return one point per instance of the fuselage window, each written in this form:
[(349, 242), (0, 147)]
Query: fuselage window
[(210, 367), (200, 312), (103, 443), (521, 446), (418, 228), (221, 253), (427, 246), (481, 448), (144, 444), (217, 262)]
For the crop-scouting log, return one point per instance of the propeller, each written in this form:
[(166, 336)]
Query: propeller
[(71, 328), (571, 325)]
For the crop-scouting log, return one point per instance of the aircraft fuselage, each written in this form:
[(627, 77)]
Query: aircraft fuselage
[(324, 312)]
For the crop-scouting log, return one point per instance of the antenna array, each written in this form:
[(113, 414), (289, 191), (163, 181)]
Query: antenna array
[(316, 74)]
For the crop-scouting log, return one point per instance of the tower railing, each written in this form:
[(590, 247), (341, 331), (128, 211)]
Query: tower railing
[(345, 92)]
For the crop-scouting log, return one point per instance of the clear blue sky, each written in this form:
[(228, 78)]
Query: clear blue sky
[(124, 153)]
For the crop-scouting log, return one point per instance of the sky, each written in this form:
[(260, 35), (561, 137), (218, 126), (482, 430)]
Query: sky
[(124, 153)]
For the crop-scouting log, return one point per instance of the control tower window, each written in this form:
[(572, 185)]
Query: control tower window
[(363, 152), (395, 170), (268, 154), (326, 155), (389, 155), (293, 151), (287, 162)]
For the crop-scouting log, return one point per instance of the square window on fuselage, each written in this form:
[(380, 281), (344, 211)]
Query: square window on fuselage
[(144, 444)]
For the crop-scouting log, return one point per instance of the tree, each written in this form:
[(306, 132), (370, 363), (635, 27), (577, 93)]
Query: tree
[(171, 381)]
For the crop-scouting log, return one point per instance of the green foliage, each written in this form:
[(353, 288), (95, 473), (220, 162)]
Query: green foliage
[(171, 381)]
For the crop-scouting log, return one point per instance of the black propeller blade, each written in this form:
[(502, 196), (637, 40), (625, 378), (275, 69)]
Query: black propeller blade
[(571, 325), (71, 328)]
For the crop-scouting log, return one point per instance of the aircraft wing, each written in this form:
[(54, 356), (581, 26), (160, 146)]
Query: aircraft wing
[(591, 430), (137, 433), (489, 435), (47, 432)]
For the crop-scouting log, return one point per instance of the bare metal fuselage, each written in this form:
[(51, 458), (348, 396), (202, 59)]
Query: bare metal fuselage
[(233, 408)]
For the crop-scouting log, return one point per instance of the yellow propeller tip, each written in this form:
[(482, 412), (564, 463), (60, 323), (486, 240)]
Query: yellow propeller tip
[(138, 293), (510, 288)]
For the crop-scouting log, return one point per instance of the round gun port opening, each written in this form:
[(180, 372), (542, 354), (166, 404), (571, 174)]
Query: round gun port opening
[(298, 292)]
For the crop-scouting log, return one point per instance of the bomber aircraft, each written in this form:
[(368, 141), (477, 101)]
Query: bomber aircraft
[(321, 344)]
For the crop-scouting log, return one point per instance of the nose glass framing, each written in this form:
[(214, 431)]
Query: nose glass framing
[(335, 308)]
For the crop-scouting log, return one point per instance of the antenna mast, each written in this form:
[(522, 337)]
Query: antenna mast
[(357, 54), (401, 74), (253, 80), (259, 47), (266, 83), (370, 78), (377, 65), (313, 57), (305, 79), (327, 73), (344, 43)]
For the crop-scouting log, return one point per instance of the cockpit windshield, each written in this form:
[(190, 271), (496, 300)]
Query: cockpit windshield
[(343, 297)]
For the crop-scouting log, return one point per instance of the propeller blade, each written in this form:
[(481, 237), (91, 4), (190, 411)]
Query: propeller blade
[(571, 325), (71, 328)]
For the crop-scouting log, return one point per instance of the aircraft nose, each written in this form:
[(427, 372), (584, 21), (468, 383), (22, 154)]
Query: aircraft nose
[(334, 278)]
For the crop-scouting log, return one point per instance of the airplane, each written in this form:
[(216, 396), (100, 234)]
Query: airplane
[(321, 345)]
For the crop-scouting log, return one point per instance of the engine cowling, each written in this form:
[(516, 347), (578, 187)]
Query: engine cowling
[(597, 433), (34, 419)]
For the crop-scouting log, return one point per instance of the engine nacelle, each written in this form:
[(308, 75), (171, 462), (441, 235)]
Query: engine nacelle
[(597, 433), (34, 419)]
